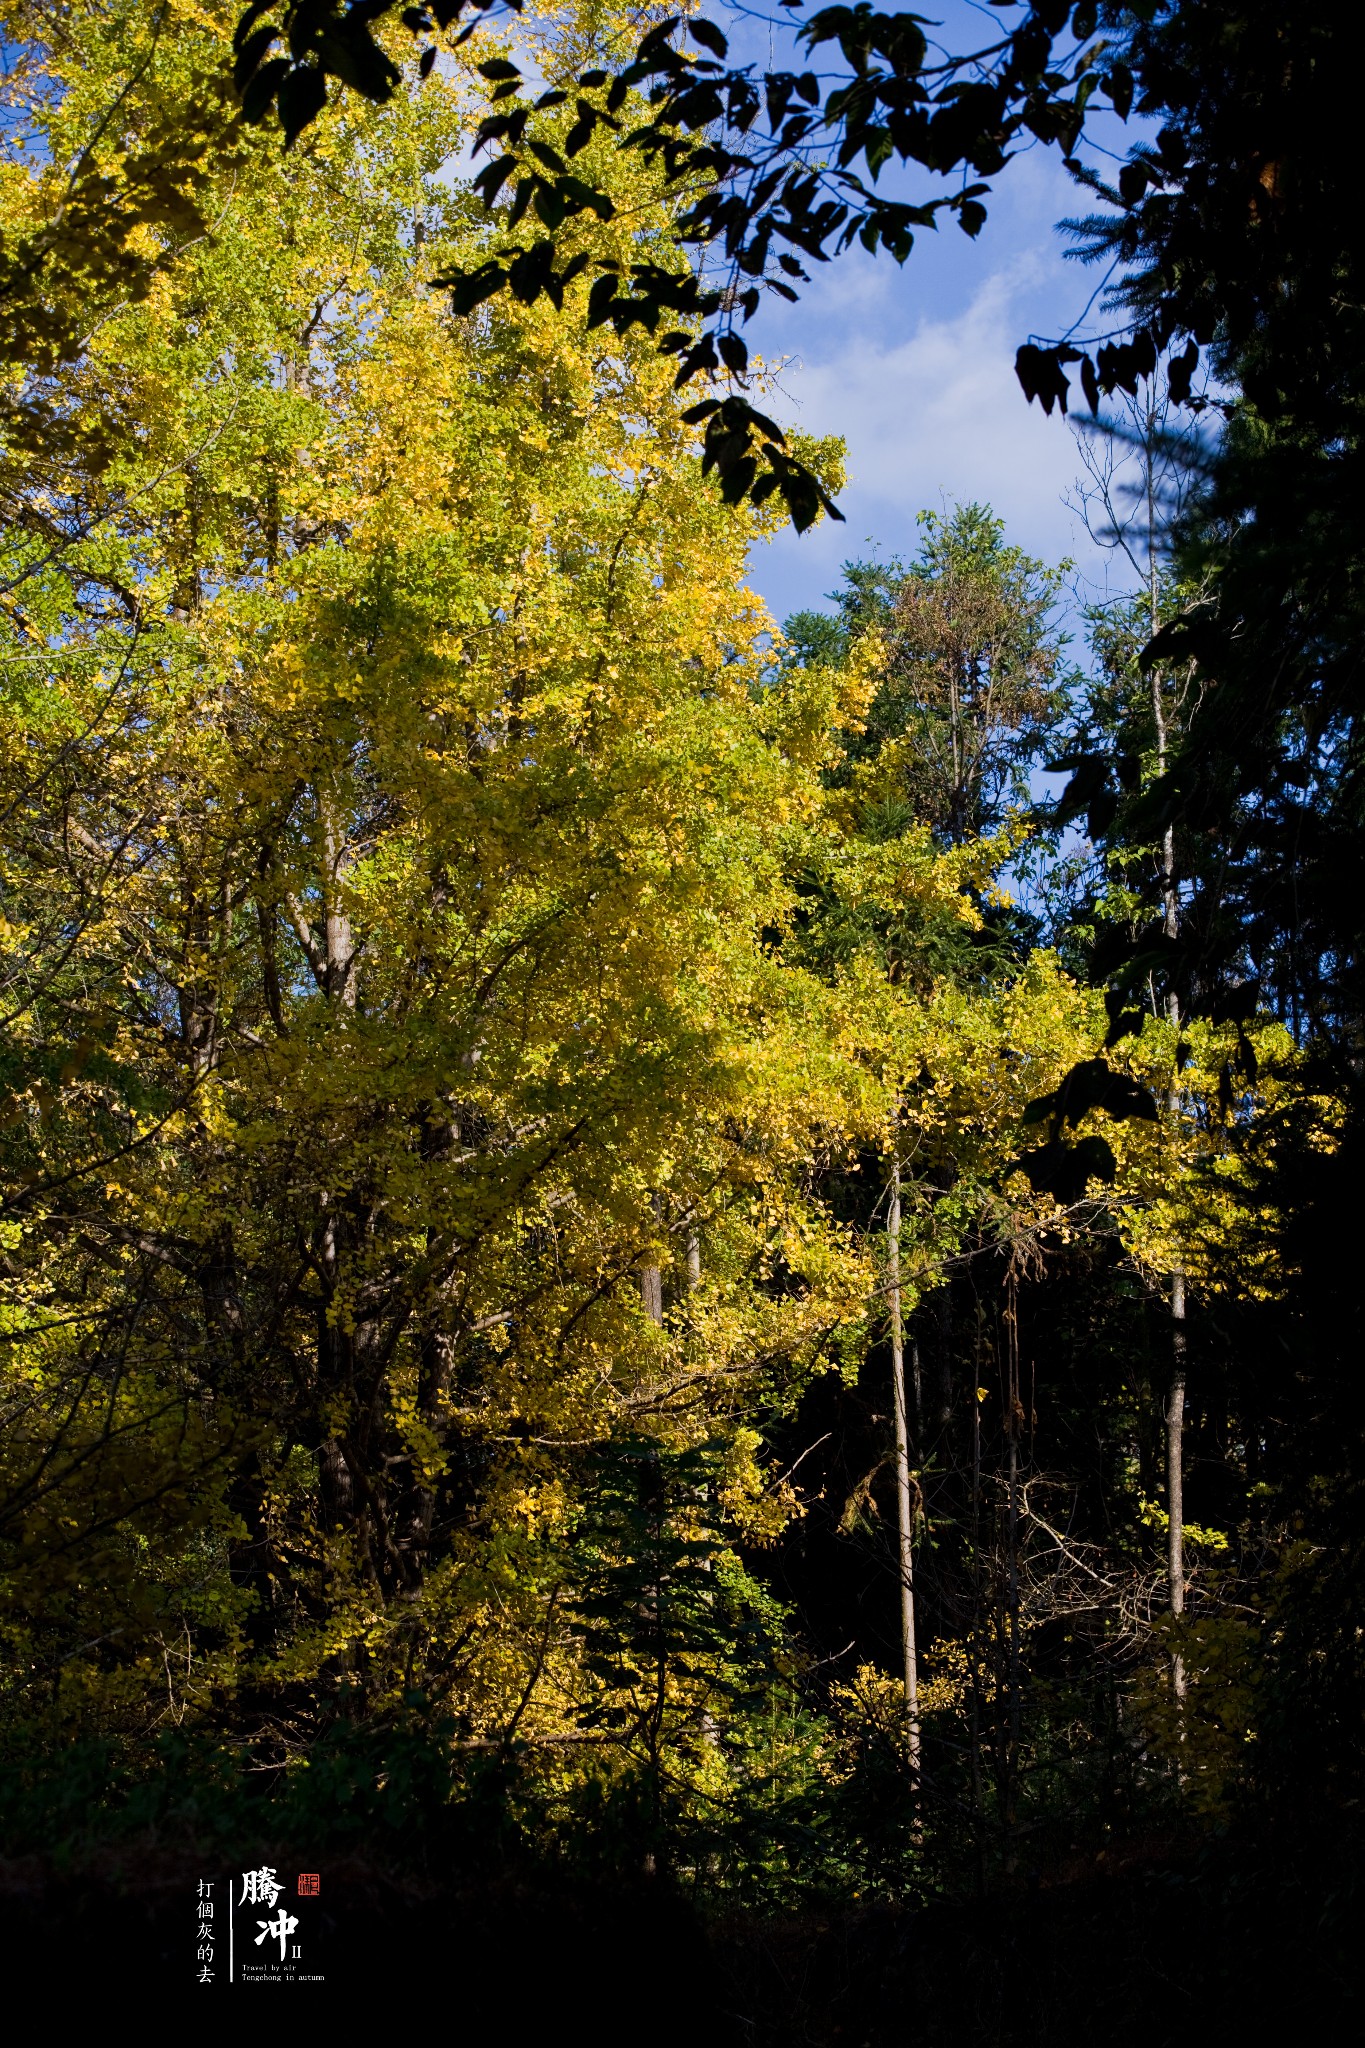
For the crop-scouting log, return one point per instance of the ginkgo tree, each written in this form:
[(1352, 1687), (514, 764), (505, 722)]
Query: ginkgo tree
[(404, 1100)]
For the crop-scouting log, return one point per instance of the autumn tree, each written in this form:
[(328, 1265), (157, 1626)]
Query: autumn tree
[(391, 831)]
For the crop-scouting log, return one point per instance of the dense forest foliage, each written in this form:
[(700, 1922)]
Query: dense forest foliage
[(625, 1259)]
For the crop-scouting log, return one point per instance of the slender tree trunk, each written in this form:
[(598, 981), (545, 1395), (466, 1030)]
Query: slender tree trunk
[(1170, 921), (905, 1504), (973, 1639), (1175, 1469), (1011, 1623)]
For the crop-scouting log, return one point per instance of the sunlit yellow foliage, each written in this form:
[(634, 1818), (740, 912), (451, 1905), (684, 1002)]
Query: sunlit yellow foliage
[(384, 725)]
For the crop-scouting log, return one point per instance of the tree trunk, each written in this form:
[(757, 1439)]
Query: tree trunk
[(905, 1503), (1175, 1469), (651, 1277), (652, 1292), (1014, 1669), (973, 1650), (338, 939), (1170, 921)]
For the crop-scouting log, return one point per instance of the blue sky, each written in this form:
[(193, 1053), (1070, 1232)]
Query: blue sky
[(914, 367)]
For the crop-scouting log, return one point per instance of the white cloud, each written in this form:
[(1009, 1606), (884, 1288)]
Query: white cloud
[(936, 417)]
